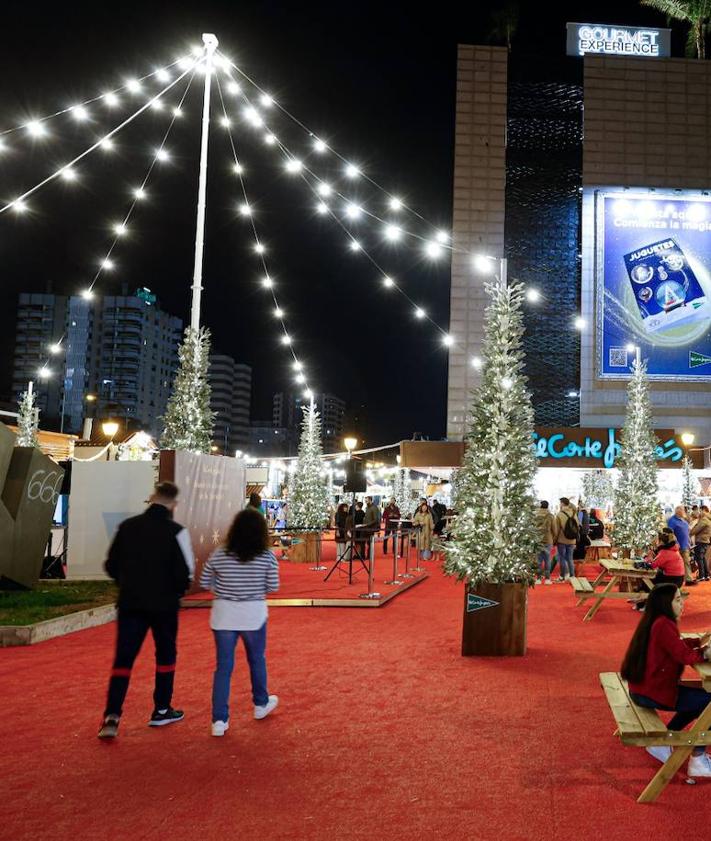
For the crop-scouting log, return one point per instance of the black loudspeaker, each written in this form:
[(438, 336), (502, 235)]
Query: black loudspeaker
[(355, 477), (67, 479)]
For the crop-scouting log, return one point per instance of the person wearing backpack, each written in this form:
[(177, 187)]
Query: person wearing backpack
[(567, 533)]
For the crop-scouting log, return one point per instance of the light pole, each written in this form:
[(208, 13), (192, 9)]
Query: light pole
[(637, 350), (109, 428)]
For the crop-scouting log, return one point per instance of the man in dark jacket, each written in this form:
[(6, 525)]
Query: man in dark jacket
[(391, 513), (152, 562)]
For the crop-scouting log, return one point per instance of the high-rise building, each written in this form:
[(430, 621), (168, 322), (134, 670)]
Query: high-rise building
[(230, 385), (287, 414), (122, 349)]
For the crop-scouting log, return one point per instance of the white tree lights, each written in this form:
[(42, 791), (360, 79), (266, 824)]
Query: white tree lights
[(308, 493), (28, 420)]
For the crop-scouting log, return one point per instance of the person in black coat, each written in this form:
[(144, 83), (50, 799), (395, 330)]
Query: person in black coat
[(151, 560)]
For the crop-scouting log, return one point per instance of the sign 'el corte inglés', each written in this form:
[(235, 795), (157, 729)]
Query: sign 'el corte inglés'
[(581, 447), (604, 39)]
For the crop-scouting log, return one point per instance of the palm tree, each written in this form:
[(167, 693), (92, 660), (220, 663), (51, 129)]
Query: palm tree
[(695, 13), (504, 23)]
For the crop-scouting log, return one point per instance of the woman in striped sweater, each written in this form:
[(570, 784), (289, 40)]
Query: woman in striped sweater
[(240, 575)]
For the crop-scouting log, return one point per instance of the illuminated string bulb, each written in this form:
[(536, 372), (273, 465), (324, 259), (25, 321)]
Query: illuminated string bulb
[(442, 237), (107, 265), (579, 323), (237, 168), (87, 294), (68, 174), (266, 100), (19, 206), (506, 383), (388, 282), (278, 312), (267, 282), (139, 193), (395, 203), (259, 248), (35, 128), (270, 139), (353, 211), (392, 232), (253, 117), (533, 295), (293, 165), (245, 209), (286, 339), (162, 155), (177, 112), (133, 86), (308, 394), (297, 366), (324, 189), (162, 75), (319, 146), (419, 312), (107, 144), (322, 207), (354, 245), (448, 340), (111, 99), (80, 113), (433, 249), (55, 348), (120, 229), (233, 88), (476, 362), (44, 373), (225, 121), (300, 378), (352, 171)]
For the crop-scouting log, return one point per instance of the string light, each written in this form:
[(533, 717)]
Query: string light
[(79, 113), (419, 313), (177, 112), (55, 348), (293, 165), (162, 155), (87, 294), (270, 139), (278, 313), (133, 86), (107, 265), (353, 211), (352, 171), (156, 105), (234, 88), (237, 168), (267, 282), (433, 249), (111, 99), (579, 323), (225, 122), (476, 362), (266, 100), (245, 209), (286, 339), (324, 189), (36, 129), (68, 174), (259, 248), (448, 340), (392, 233), (442, 237), (162, 75), (533, 295), (19, 206), (320, 146), (44, 373), (322, 207), (139, 193), (120, 229), (395, 204), (107, 144), (506, 383), (388, 282), (354, 245)]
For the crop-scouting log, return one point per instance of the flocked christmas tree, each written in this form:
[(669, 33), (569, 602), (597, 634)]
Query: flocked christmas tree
[(598, 488), (188, 420), (636, 507), (401, 491), (689, 485), (495, 536), (27, 420), (308, 496)]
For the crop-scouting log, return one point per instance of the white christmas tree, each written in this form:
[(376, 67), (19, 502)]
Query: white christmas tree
[(401, 491), (495, 537), (598, 488), (188, 420), (689, 484), (27, 420), (637, 510), (308, 497)]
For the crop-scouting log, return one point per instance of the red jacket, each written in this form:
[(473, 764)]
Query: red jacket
[(667, 655), (392, 512), (669, 561)]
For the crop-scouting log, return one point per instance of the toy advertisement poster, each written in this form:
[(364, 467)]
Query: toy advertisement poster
[(654, 284)]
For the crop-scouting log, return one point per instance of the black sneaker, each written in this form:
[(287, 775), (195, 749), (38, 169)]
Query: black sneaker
[(109, 729), (158, 719)]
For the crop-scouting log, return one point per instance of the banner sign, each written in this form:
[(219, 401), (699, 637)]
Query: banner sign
[(580, 447), (603, 39), (653, 284), (478, 603)]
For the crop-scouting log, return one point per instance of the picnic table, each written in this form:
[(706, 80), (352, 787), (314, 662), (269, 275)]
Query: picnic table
[(597, 551), (618, 570), (642, 726)]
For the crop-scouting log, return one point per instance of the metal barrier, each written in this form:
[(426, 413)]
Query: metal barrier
[(371, 594)]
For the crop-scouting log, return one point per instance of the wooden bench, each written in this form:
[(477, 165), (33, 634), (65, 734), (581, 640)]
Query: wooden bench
[(582, 587), (642, 727)]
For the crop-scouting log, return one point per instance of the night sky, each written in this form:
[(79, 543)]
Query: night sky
[(375, 80)]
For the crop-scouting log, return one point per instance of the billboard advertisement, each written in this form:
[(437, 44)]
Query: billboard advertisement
[(653, 281)]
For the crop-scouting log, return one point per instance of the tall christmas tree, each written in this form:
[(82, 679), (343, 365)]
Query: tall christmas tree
[(401, 491), (188, 420), (689, 485), (27, 420), (636, 505), (598, 488), (308, 497), (495, 536)]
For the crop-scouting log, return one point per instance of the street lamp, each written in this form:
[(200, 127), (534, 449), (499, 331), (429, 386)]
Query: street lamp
[(687, 438), (109, 428), (350, 444)]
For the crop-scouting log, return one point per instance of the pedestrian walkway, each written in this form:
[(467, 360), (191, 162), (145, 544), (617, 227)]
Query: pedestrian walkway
[(383, 730)]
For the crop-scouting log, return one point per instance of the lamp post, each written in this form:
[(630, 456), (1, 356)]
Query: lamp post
[(109, 428)]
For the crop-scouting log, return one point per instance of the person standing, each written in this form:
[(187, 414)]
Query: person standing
[(255, 501), (566, 532), (372, 517), (240, 574), (545, 521), (701, 531), (357, 527), (425, 525), (341, 531), (151, 559), (679, 525), (391, 513)]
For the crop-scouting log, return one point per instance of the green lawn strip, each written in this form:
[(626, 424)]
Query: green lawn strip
[(47, 601)]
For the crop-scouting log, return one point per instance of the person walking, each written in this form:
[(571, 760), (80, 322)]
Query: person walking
[(425, 525), (653, 666), (391, 513), (240, 574), (566, 533), (679, 525), (701, 532), (151, 559), (545, 522)]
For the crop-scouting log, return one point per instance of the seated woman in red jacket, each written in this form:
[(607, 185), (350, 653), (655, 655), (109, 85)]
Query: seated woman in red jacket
[(654, 663), (667, 560)]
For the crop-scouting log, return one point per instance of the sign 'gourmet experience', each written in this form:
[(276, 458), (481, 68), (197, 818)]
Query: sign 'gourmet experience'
[(559, 447), (602, 39)]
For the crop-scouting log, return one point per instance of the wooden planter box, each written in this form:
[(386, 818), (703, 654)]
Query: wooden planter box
[(495, 620), (306, 551)]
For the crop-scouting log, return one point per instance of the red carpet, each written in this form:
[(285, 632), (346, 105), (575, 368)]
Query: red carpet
[(383, 731)]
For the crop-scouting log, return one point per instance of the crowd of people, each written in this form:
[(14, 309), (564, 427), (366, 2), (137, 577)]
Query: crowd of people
[(563, 538)]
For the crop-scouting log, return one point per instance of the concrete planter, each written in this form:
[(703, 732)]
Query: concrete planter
[(30, 634)]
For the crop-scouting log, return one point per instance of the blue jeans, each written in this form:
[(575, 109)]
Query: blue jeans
[(225, 643), (690, 703), (544, 561), (565, 557)]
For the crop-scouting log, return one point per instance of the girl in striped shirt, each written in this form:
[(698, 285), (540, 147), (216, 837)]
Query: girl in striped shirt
[(240, 575)]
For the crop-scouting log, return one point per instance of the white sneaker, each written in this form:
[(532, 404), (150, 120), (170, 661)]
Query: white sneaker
[(219, 728), (566, 578), (263, 712), (661, 753), (537, 581), (699, 766), (547, 581)]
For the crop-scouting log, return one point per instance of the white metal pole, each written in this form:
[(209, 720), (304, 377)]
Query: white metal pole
[(30, 386), (210, 42), (503, 272), (638, 355)]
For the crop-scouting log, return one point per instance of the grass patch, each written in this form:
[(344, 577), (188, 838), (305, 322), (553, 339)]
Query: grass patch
[(47, 601)]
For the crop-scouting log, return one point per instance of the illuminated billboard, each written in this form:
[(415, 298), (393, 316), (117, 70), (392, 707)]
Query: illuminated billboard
[(653, 283), (584, 38)]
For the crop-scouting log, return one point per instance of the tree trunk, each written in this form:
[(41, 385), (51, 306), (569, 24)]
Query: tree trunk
[(700, 43), (495, 620)]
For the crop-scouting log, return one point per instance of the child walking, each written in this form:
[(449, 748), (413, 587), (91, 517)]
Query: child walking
[(240, 575)]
